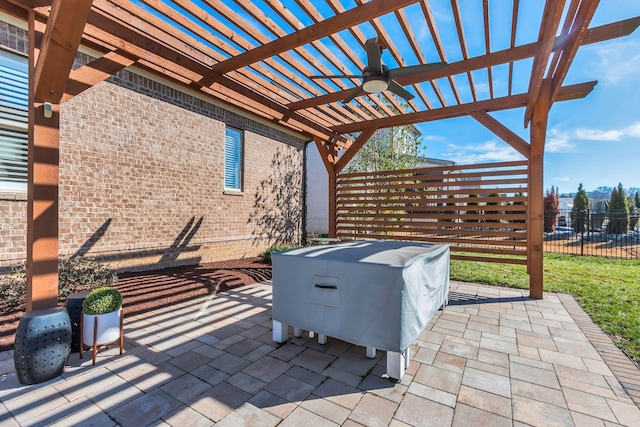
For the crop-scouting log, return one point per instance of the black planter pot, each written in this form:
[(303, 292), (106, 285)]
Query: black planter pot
[(42, 345), (73, 304)]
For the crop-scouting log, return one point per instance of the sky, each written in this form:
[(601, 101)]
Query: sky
[(594, 141)]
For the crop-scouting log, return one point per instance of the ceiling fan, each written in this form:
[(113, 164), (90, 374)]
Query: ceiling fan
[(376, 77)]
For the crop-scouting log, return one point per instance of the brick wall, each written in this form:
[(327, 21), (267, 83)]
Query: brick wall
[(141, 180)]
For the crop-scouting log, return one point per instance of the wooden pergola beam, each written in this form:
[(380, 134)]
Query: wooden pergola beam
[(95, 72), (578, 31), (593, 35), (118, 34), (59, 46), (506, 134), (496, 104), (546, 37), (313, 32), (353, 150)]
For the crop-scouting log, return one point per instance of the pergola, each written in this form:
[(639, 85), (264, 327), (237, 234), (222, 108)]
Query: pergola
[(258, 57)]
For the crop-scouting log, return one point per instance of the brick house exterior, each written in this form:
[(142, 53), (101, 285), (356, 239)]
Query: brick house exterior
[(141, 177)]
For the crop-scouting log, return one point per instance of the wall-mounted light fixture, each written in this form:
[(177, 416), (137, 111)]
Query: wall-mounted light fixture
[(47, 110)]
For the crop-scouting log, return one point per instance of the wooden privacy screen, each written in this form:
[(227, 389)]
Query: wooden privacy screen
[(480, 210)]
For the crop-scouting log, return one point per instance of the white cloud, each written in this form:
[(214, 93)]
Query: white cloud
[(489, 151), (433, 138), (562, 178), (558, 141), (608, 135), (617, 62), (561, 141), (598, 135)]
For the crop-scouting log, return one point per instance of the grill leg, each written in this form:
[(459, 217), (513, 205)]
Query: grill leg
[(397, 363), (280, 331)]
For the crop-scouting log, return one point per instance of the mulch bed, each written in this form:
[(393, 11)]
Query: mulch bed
[(150, 290)]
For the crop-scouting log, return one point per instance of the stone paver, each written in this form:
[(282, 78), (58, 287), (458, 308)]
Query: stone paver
[(145, 409), (418, 411), (492, 357), (373, 411)]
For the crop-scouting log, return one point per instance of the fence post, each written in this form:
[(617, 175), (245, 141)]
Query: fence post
[(581, 232)]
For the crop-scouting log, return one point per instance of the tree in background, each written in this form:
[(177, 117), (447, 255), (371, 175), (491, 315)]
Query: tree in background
[(551, 209), (493, 211), (393, 148), (637, 199), (579, 210), (618, 212), (473, 196), (519, 203)]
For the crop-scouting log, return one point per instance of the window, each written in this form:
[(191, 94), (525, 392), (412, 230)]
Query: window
[(14, 99), (233, 159)]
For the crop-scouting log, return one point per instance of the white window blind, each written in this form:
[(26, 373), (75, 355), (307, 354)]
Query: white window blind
[(14, 99), (233, 159)]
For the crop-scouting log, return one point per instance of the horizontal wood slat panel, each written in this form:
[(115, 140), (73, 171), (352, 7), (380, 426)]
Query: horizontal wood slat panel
[(386, 184), (436, 205), (490, 259), (421, 196), (436, 239), (461, 220), (438, 231), (427, 177), (466, 191), (447, 227), (351, 207), (488, 166)]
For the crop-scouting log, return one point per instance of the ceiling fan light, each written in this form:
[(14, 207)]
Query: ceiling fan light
[(375, 85)]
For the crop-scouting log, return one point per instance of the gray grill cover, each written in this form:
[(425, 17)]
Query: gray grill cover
[(377, 294)]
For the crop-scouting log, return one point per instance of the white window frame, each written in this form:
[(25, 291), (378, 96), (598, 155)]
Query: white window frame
[(14, 101), (233, 159)]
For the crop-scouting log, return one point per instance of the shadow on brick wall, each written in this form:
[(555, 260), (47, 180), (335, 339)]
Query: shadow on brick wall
[(277, 208), (91, 241), (169, 257)]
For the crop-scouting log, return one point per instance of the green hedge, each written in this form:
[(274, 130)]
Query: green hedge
[(74, 274)]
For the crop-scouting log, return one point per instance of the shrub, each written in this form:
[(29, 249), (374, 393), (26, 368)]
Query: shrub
[(551, 209), (581, 204), (618, 212), (78, 273), (13, 288), (102, 301), (266, 255), (74, 274)]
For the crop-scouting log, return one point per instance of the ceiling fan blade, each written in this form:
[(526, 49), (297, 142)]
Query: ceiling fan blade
[(417, 69), (374, 54), (356, 92), (338, 76), (400, 91)]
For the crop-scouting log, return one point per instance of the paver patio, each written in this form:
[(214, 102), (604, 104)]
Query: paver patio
[(492, 357)]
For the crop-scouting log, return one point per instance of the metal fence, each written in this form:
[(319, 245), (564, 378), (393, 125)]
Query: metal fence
[(589, 233)]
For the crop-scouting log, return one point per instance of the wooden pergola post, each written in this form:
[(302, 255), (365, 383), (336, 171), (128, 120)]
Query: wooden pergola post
[(535, 209), (329, 154), (49, 67), (42, 190)]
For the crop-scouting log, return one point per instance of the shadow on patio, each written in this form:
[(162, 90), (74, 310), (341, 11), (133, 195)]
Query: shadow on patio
[(492, 357)]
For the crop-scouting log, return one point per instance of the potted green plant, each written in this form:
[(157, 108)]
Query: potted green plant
[(102, 319)]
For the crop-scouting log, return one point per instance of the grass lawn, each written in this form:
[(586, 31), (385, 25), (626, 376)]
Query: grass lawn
[(607, 289)]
